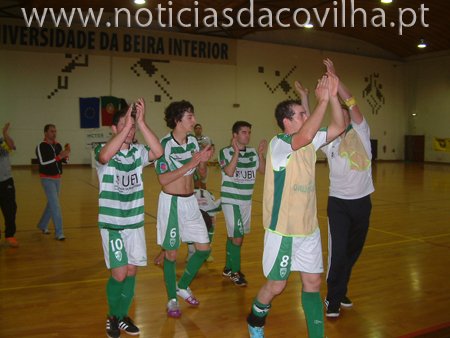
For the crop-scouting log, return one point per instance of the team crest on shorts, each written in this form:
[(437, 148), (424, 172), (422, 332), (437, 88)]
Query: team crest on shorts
[(118, 255), (283, 272), (172, 242)]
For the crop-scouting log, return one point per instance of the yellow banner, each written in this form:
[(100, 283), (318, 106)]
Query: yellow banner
[(441, 144), (119, 42)]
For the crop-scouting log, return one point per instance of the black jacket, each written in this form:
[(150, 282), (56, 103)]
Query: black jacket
[(50, 164)]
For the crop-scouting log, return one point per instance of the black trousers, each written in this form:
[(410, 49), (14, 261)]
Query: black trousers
[(348, 224), (9, 206)]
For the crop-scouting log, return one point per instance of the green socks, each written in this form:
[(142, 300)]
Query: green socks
[(170, 277), (127, 296), (312, 305), (235, 255), (211, 234), (113, 294), (228, 261), (192, 267)]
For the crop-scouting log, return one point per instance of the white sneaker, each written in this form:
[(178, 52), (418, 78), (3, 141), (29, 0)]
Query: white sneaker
[(173, 309), (187, 295)]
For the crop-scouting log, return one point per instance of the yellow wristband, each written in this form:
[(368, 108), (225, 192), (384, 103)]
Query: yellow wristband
[(5, 145), (350, 103)]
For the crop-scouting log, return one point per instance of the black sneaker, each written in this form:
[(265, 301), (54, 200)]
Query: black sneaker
[(333, 311), (112, 327), (346, 302), (226, 272), (128, 326), (238, 279)]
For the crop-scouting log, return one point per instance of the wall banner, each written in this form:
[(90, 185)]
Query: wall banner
[(96, 136), (117, 42), (441, 144)]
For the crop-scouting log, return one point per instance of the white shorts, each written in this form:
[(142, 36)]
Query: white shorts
[(284, 254), (237, 219), (179, 217), (127, 245)]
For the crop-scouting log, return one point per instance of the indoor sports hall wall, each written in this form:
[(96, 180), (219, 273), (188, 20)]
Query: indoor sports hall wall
[(264, 75), (429, 98)]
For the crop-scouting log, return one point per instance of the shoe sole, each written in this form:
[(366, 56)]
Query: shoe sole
[(174, 315), (131, 333), (332, 315), (243, 284), (346, 304)]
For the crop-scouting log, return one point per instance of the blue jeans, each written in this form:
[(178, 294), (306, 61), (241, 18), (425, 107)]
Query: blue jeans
[(52, 210)]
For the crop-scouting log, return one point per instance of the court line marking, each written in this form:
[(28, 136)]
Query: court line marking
[(427, 330)]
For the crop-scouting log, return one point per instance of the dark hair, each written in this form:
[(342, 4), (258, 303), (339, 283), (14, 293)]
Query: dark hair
[(118, 115), (198, 124), (47, 127), (175, 112), (207, 219), (284, 110), (238, 125)]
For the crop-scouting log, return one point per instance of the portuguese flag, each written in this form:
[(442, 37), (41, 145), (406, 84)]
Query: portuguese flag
[(110, 104)]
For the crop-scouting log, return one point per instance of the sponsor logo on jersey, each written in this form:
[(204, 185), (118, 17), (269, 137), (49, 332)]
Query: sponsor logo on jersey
[(163, 167), (304, 188), (222, 163), (245, 174), (127, 182)]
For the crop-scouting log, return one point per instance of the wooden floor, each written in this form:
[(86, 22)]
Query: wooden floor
[(400, 285)]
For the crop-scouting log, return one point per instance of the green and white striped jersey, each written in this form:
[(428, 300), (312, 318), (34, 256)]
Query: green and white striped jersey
[(176, 155), (238, 189), (121, 199)]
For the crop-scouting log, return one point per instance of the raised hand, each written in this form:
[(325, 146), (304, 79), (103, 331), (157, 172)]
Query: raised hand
[(140, 110), (333, 84), (203, 155), (330, 66), (206, 153), (322, 89), (300, 89), (129, 121), (262, 147), (6, 127), (234, 144)]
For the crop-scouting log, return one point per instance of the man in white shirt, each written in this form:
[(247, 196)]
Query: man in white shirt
[(349, 204)]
